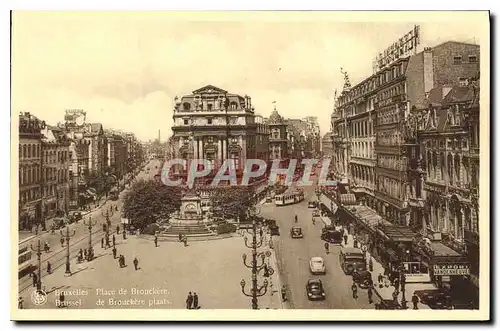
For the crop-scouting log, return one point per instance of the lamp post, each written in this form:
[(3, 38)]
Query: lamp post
[(38, 251), (90, 223), (68, 236), (256, 291)]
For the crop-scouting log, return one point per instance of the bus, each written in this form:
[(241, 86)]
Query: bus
[(289, 197), (24, 261)]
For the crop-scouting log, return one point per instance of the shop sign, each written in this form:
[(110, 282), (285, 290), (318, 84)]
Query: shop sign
[(451, 269)]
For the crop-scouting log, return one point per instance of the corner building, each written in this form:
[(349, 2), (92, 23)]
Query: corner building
[(223, 126)]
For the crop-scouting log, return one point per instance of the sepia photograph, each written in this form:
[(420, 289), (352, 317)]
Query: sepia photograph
[(250, 165)]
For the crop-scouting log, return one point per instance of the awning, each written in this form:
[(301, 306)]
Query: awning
[(348, 199), (398, 233), (332, 206), (441, 250), (368, 216)]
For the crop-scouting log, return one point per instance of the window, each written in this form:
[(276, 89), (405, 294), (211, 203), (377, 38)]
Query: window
[(187, 106), (209, 107), (463, 81), (457, 60), (209, 120), (186, 121), (472, 59)]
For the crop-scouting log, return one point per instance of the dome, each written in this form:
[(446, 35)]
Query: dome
[(275, 117)]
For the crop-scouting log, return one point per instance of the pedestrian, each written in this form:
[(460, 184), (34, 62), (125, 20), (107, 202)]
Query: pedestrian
[(395, 296), (354, 289), (283, 293), (156, 241), (61, 299), (370, 295), (114, 252), (370, 263), (123, 261), (414, 300), (102, 242), (62, 242), (136, 263), (396, 284), (117, 229), (185, 241), (345, 238), (355, 243), (85, 253), (380, 280), (35, 279), (180, 237), (20, 303), (195, 301), (114, 240), (189, 301), (49, 267)]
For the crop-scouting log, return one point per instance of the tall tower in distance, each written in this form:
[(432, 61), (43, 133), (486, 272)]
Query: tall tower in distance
[(159, 136)]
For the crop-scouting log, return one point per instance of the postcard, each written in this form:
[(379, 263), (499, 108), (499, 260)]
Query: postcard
[(280, 166)]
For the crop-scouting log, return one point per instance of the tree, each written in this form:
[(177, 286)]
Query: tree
[(232, 201), (150, 201)]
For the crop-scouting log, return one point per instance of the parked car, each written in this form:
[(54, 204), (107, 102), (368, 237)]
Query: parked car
[(435, 298), (312, 204), (314, 290), (317, 266), (296, 232), (74, 216), (363, 278), (275, 230), (331, 235), (316, 213), (387, 305)]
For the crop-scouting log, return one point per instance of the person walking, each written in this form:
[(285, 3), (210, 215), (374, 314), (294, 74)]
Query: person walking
[(61, 300), (345, 238), (415, 300), (136, 263), (395, 296), (35, 279), (62, 242), (354, 289), (370, 295), (114, 252), (185, 239), (195, 301), (102, 242), (189, 301), (49, 267), (156, 241), (114, 240), (117, 229), (20, 303)]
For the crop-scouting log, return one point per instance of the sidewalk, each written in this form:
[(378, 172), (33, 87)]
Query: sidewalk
[(272, 299), (385, 292), (22, 234)]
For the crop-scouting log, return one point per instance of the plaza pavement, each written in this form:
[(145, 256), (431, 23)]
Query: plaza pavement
[(213, 269)]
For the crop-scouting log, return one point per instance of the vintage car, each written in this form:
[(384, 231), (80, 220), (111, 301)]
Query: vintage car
[(331, 235), (296, 232), (314, 290), (74, 216), (363, 278), (387, 305), (316, 213), (312, 204), (317, 266), (275, 230), (435, 298)]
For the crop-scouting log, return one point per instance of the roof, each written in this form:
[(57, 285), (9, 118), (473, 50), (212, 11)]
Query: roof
[(398, 233), (275, 117), (209, 89), (440, 249)]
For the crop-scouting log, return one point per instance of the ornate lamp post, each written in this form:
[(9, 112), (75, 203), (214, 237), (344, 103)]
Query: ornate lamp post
[(256, 290), (68, 236), (109, 213), (38, 251), (90, 223)]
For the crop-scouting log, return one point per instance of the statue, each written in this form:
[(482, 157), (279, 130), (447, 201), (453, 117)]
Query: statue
[(347, 83)]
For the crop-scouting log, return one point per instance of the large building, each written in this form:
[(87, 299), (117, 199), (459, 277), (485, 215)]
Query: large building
[(327, 145), (280, 144), (371, 155), (55, 172), (30, 171), (216, 125)]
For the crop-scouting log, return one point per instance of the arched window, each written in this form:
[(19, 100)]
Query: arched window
[(443, 165), (33, 153), (186, 106)]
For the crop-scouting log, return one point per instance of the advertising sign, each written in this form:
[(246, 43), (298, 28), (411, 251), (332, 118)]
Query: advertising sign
[(404, 46), (451, 269)]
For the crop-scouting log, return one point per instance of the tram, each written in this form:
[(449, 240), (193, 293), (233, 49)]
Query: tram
[(289, 198), (25, 264)]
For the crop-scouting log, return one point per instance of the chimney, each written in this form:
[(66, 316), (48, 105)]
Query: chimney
[(428, 70)]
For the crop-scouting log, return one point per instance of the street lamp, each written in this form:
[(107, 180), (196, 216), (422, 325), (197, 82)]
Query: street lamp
[(67, 237), (256, 290), (90, 224), (38, 251)]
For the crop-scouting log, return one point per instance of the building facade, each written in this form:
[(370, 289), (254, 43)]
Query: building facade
[(30, 171), (327, 145), (216, 125), (55, 172)]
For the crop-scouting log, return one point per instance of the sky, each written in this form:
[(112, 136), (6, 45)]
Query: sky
[(124, 69)]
